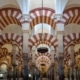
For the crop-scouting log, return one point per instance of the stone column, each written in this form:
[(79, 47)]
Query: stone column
[(14, 53), (71, 52), (25, 28), (14, 61), (33, 54), (52, 55), (26, 50), (59, 33), (0, 32)]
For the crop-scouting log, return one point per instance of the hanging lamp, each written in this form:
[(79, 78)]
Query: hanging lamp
[(42, 49)]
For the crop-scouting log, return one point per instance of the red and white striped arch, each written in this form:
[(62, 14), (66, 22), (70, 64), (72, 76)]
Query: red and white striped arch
[(10, 37), (48, 39), (44, 54), (71, 37), (4, 52), (67, 56), (10, 16), (40, 15), (71, 15)]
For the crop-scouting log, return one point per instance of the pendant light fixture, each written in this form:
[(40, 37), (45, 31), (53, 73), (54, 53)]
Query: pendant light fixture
[(42, 48)]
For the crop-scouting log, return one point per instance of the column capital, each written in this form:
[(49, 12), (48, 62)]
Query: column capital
[(58, 16), (26, 17)]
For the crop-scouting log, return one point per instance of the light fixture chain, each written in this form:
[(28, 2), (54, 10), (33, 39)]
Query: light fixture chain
[(42, 19)]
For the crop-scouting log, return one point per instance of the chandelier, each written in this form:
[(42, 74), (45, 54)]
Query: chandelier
[(42, 49)]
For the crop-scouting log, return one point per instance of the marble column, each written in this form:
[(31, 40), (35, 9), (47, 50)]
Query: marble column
[(26, 50), (14, 61), (25, 29), (33, 52), (59, 34), (52, 55), (0, 32), (71, 52)]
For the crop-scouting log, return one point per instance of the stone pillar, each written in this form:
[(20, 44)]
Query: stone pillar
[(14, 61), (71, 52), (14, 53), (55, 69), (52, 55), (25, 54), (26, 50), (33, 55), (25, 28), (59, 33), (0, 32)]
